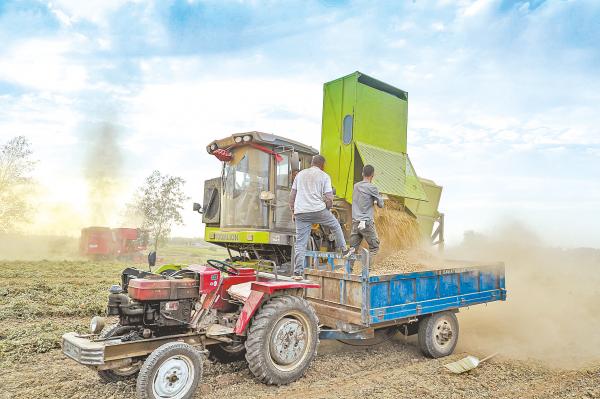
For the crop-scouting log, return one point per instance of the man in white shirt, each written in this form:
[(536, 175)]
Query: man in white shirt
[(310, 201)]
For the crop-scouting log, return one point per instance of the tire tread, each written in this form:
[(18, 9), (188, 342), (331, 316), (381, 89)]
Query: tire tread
[(425, 336), (258, 331), (144, 380)]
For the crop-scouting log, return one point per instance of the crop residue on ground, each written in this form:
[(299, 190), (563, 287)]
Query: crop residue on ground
[(551, 309)]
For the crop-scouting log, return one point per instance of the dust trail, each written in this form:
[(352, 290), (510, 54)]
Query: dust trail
[(102, 171), (553, 309), (37, 247)]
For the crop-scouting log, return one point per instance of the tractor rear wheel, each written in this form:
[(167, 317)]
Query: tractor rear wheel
[(282, 340), (172, 371), (438, 334), (121, 373)]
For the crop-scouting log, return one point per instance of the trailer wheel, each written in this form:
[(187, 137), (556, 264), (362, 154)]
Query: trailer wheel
[(228, 353), (172, 371), (121, 373), (282, 340), (438, 334)]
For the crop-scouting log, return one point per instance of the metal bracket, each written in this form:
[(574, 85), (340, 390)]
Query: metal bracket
[(367, 333)]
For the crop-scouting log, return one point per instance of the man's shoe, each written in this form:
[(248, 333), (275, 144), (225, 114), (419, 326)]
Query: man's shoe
[(346, 253)]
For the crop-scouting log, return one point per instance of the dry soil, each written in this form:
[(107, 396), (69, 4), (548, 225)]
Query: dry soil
[(546, 333), (394, 369)]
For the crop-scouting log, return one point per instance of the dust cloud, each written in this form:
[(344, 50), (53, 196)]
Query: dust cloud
[(54, 230), (102, 171), (32, 247), (552, 313)]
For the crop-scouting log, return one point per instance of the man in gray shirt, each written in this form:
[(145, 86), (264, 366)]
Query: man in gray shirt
[(364, 196), (311, 199)]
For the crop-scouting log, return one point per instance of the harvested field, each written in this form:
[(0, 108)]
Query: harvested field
[(391, 370), (41, 300)]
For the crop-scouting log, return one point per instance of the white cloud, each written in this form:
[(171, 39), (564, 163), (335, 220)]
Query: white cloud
[(220, 106), (478, 7), (60, 15), (95, 11), (399, 43), (43, 64), (438, 26)]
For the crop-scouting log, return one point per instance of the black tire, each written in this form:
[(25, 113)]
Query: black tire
[(438, 334), (288, 318), (174, 360), (228, 353), (121, 373)]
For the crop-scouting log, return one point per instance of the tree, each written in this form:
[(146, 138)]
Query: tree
[(159, 203), (15, 166)]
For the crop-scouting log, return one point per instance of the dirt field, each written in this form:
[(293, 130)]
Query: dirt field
[(39, 300), (391, 370)]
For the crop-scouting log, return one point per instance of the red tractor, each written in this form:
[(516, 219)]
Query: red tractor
[(104, 242), (166, 323)]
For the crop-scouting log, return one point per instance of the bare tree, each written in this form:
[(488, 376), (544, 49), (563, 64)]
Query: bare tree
[(159, 203), (15, 166)]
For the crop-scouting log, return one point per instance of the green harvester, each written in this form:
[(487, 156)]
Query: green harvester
[(246, 209)]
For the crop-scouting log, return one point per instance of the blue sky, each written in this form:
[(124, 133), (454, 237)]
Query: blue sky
[(503, 95)]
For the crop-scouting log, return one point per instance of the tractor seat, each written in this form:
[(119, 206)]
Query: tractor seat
[(240, 292)]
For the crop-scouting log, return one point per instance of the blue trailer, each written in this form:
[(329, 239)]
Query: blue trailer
[(368, 307)]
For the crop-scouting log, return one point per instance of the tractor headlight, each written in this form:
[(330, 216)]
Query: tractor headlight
[(238, 139), (97, 324), (247, 138), (213, 147)]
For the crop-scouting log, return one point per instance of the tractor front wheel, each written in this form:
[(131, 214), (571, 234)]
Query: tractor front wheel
[(173, 371), (282, 340)]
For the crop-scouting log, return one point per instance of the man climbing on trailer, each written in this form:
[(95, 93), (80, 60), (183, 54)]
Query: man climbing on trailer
[(364, 197), (311, 199)]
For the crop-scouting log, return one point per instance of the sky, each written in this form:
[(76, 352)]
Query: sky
[(503, 96)]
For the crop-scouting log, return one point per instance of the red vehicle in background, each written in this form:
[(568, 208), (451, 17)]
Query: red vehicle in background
[(106, 243)]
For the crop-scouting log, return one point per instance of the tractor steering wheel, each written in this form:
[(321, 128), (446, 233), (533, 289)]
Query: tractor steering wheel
[(223, 266)]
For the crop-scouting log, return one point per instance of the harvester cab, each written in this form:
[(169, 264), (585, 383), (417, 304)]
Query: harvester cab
[(246, 209)]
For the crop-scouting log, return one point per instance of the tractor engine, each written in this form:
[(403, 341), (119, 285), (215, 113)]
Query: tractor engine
[(160, 304)]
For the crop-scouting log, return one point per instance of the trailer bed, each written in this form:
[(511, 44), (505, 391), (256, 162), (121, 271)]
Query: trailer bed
[(346, 300)]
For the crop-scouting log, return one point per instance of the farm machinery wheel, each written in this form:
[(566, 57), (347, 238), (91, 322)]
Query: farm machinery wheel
[(282, 340), (173, 371), (438, 334), (228, 353), (121, 373)]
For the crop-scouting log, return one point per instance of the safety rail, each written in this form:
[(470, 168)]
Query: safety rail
[(326, 261)]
